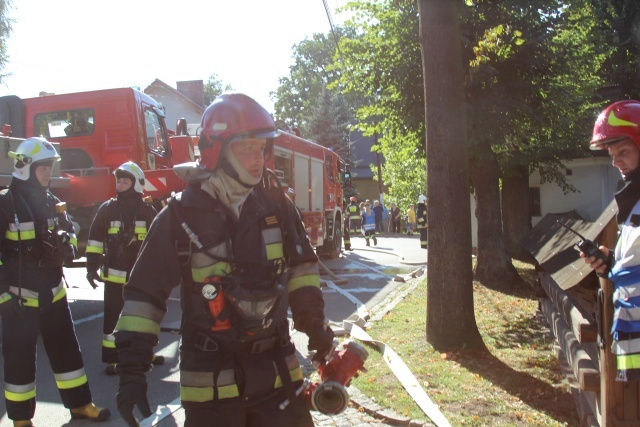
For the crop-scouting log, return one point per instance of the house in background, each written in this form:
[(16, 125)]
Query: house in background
[(186, 101), (362, 157)]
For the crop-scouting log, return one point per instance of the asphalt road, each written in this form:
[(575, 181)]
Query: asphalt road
[(360, 278)]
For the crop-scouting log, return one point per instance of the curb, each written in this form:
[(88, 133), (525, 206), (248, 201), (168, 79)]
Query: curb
[(389, 416)]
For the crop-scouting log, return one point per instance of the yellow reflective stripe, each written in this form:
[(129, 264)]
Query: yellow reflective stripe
[(138, 324), (196, 394), (629, 361), (27, 231), (4, 297), (140, 230), (218, 269), (115, 276), (71, 383), (21, 396), (142, 309), (274, 251), (108, 344), (303, 281), (295, 374), (228, 391), (614, 121), (94, 250), (61, 294), (113, 230), (74, 241)]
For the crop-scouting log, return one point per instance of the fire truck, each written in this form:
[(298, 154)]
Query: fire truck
[(97, 131), (314, 177)]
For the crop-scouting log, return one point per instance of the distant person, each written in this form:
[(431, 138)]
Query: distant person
[(395, 216), (616, 130), (421, 216), (38, 238), (79, 126), (115, 237), (377, 211), (411, 220), (354, 216), (369, 224)]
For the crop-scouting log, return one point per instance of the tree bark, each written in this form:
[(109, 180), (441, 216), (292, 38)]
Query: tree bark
[(450, 316), (516, 216), (493, 267)]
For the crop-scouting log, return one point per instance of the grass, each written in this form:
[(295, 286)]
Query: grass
[(518, 382)]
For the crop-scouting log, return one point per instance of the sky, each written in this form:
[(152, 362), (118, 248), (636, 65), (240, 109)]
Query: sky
[(63, 46)]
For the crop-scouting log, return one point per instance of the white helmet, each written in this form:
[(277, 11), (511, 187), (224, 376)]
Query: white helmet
[(422, 198), (30, 151), (133, 172)]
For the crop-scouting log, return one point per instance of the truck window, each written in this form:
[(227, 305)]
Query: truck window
[(66, 123), (328, 165), (282, 167), (156, 139)]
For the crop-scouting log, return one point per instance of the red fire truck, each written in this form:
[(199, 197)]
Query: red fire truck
[(99, 130), (314, 177)]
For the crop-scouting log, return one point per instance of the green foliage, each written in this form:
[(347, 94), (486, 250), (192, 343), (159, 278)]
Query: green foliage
[(5, 32), (329, 124), (214, 87)]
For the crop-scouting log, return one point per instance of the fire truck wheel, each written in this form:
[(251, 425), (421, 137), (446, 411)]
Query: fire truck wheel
[(331, 248)]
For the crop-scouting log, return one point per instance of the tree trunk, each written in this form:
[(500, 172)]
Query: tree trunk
[(516, 217), (450, 316), (493, 267)]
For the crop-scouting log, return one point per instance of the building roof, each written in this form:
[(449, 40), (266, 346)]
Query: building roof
[(362, 155), (157, 83)]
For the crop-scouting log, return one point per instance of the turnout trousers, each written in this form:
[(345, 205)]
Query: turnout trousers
[(265, 413), (113, 303), (19, 342)]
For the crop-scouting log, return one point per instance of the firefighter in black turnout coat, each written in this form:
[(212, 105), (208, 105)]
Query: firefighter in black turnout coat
[(115, 238), (240, 251), (38, 238)]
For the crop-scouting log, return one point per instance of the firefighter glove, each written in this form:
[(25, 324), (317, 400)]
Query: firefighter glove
[(92, 277), (11, 308), (131, 393), (56, 252), (322, 341)]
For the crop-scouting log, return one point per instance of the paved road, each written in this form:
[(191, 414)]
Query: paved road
[(365, 275)]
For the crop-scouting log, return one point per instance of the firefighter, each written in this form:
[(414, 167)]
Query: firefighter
[(38, 238), (346, 235), (421, 217), (354, 215), (115, 237), (616, 130), (239, 249), (369, 224)]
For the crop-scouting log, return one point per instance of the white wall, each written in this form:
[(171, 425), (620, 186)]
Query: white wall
[(595, 179)]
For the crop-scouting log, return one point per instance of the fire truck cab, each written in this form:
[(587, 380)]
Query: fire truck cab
[(97, 131)]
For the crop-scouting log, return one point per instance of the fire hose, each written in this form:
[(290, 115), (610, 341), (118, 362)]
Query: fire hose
[(353, 326)]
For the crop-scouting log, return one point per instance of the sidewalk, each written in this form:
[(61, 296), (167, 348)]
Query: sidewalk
[(363, 411)]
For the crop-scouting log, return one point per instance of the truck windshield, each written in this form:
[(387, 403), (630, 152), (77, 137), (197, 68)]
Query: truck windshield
[(67, 123), (156, 139)]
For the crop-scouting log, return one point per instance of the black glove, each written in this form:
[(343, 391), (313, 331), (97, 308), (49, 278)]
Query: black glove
[(92, 276), (11, 308), (132, 393), (321, 339)]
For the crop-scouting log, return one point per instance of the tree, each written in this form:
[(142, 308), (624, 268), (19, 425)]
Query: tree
[(5, 31), (214, 87), (450, 317), (329, 124)]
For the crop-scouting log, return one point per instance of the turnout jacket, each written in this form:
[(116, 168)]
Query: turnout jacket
[(116, 235), (22, 271), (625, 275), (266, 246)]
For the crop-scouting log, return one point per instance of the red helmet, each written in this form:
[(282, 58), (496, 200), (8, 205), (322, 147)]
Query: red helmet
[(232, 117), (353, 199), (619, 121)]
